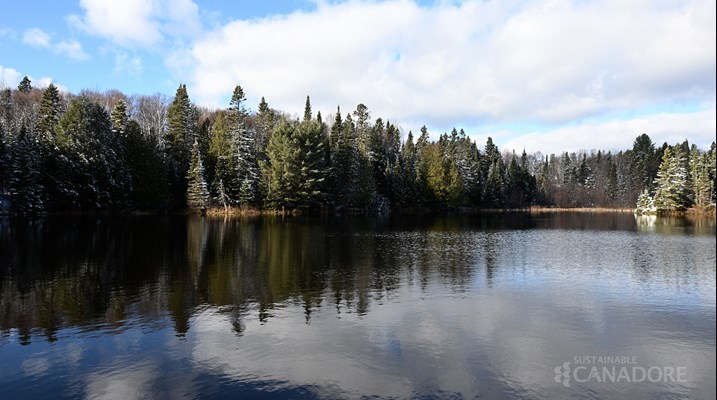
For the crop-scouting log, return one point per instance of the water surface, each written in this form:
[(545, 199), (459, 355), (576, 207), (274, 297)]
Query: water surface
[(399, 307)]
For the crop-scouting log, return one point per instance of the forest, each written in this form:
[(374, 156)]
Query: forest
[(109, 152)]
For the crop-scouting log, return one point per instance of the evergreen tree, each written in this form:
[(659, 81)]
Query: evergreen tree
[(645, 203), (90, 171), (492, 174), (119, 117), (442, 178), (407, 172), (307, 109), (197, 190), (49, 112), (700, 177), (671, 182), (26, 190), (494, 188), (244, 148), (264, 124), (177, 140), (222, 164), (312, 167), (612, 183), (362, 128), (281, 167), (296, 169), (25, 85), (147, 169)]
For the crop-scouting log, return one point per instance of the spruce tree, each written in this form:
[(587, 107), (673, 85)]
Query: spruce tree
[(119, 117), (222, 161), (146, 167), (281, 168), (307, 109), (645, 203), (26, 189), (178, 138), (244, 148), (671, 186), (700, 177), (197, 190), (49, 112), (25, 85)]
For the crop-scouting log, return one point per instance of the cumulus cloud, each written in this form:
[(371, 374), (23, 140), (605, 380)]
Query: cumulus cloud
[(618, 134), (36, 37), (469, 62), (72, 49), (138, 23), (9, 77)]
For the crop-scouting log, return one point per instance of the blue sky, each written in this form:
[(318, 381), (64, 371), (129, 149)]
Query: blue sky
[(540, 75)]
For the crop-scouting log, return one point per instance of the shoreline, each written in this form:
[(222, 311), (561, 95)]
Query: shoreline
[(242, 212)]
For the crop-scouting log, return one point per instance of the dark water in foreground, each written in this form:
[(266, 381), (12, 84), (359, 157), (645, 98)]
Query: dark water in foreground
[(457, 307)]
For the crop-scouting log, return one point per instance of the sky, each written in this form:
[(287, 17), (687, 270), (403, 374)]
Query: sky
[(544, 76)]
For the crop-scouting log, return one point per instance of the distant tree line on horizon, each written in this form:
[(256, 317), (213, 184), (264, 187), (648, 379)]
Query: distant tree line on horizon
[(111, 152)]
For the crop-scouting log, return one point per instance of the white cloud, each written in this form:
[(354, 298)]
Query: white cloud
[(9, 77), (697, 127), (472, 62), (126, 63), (36, 37), (140, 23), (6, 32), (45, 81), (71, 49)]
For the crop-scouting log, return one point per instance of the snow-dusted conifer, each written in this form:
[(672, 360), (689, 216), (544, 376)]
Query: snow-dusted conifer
[(197, 190)]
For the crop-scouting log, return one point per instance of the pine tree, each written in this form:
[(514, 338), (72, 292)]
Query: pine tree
[(645, 204), (612, 183), (91, 172), (494, 188), (244, 148), (25, 85), (700, 177), (671, 181), (177, 139), (281, 168), (119, 117), (264, 124), (49, 113), (296, 169), (312, 167), (197, 191), (407, 171), (26, 189), (362, 128), (147, 169), (643, 163), (307, 109), (222, 164)]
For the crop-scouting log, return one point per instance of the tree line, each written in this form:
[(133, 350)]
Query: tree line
[(107, 152)]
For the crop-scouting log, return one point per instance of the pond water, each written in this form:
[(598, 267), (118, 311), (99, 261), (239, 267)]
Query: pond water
[(546, 306)]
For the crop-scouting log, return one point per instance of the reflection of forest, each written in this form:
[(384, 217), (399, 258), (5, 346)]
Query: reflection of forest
[(100, 273)]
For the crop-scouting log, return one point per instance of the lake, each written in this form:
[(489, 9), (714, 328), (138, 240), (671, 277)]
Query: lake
[(552, 306)]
